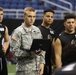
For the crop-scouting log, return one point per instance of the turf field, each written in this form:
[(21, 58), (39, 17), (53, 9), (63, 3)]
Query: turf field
[(11, 69)]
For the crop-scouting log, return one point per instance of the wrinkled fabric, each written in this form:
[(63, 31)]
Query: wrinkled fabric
[(21, 40), (27, 72)]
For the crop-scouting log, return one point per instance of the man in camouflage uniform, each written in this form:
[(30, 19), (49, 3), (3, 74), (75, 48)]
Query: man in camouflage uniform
[(28, 63)]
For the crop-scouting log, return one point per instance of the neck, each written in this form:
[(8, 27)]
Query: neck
[(46, 26), (28, 26), (70, 32)]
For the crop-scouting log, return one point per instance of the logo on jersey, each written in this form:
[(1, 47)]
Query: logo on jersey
[(75, 36), (50, 37), (73, 41), (1, 29), (59, 34), (51, 32)]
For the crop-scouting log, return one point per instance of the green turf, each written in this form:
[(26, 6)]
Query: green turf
[(11, 68)]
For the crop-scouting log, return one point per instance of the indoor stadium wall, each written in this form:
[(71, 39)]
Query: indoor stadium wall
[(57, 25)]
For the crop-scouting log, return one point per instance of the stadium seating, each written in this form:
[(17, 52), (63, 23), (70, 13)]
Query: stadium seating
[(34, 3), (37, 4)]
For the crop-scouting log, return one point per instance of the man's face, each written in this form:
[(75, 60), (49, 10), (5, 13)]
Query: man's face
[(1, 16), (48, 18), (70, 25), (29, 18)]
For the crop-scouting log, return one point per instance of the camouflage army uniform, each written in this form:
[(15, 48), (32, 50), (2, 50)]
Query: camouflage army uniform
[(27, 64)]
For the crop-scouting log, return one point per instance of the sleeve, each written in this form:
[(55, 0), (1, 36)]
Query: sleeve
[(42, 58), (15, 44)]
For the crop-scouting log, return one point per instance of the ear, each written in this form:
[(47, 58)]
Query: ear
[(64, 23), (42, 16), (24, 16)]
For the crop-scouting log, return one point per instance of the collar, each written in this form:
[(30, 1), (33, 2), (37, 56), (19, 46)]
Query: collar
[(27, 29)]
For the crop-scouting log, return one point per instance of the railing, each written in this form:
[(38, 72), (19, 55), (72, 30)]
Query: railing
[(60, 6), (59, 14), (18, 13), (66, 2)]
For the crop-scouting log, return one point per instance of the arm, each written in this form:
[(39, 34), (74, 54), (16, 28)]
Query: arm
[(6, 41), (58, 53), (53, 54), (42, 62), (16, 45), (41, 69)]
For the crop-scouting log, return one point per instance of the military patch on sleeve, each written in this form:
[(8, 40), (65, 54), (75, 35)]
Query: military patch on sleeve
[(14, 37)]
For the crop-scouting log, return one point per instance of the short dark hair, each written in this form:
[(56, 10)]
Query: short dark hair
[(68, 16), (48, 10)]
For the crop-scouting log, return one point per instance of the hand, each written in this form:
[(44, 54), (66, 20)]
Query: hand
[(41, 69), (37, 52), (3, 49)]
